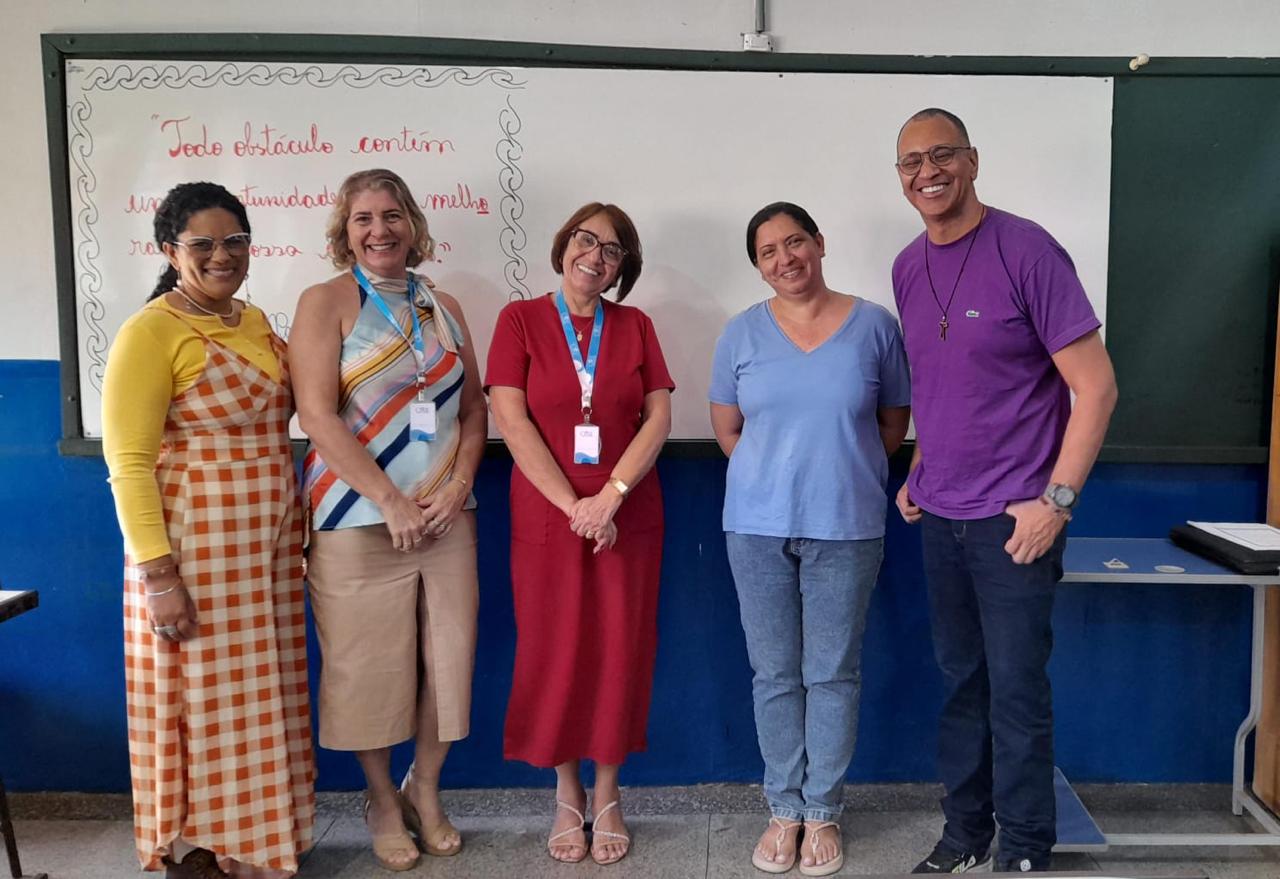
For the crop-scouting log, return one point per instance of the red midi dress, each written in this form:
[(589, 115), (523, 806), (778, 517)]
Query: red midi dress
[(586, 625)]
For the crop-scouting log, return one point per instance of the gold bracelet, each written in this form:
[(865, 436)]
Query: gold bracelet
[(619, 486), (453, 477)]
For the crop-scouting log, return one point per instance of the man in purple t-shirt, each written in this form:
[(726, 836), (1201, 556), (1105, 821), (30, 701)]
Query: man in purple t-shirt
[(998, 333)]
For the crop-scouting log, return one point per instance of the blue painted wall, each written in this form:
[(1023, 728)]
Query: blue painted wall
[(1150, 682)]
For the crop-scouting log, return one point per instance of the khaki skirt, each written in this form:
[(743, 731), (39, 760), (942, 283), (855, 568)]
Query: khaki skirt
[(384, 618)]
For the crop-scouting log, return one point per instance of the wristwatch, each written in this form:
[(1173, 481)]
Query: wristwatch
[(1061, 496), (619, 486)]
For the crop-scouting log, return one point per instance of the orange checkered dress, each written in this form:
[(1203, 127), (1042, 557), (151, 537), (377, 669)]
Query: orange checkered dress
[(219, 726)]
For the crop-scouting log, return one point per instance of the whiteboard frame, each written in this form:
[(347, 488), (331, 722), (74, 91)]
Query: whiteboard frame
[(56, 49)]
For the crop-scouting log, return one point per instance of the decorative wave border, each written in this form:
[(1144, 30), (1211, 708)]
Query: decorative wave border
[(134, 77)]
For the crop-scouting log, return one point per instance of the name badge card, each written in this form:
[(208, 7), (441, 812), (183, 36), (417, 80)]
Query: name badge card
[(586, 436), (422, 421), (586, 444)]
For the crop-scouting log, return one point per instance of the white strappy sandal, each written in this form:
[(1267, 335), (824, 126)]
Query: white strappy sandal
[(761, 862), (609, 837), (580, 828)]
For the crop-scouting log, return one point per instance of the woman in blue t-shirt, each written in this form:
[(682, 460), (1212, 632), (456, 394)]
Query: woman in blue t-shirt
[(810, 393)]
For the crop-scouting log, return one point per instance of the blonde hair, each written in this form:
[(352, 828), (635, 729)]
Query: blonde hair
[(423, 247)]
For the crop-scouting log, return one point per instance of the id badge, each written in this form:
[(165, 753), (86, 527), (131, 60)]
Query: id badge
[(422, 421), (586, 444)]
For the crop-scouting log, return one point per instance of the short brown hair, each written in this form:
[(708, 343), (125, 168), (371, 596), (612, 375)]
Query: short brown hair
[(422, 248), (629, 271)]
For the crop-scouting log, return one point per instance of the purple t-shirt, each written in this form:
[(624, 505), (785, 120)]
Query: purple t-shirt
[(990, 407)]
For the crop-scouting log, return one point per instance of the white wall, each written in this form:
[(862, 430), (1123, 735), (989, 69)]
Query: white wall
[(28, 312)]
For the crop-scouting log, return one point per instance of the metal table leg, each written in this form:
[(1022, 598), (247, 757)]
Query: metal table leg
[(10, 842)]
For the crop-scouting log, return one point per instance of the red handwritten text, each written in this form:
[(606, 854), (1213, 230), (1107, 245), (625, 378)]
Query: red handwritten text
[(138, 247), (142, 204), (190, 148), (268, 141), (405, 142), (293, 198), (460, 199)]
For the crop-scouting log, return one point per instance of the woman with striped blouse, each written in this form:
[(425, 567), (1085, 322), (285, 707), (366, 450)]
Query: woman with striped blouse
[(389, 394)]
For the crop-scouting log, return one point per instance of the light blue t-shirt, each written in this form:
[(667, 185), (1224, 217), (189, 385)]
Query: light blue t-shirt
[(810, 462)]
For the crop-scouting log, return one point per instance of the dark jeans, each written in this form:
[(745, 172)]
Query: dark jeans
[(992, 637)]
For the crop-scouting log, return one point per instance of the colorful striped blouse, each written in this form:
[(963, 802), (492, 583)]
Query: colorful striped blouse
[(377, 382)]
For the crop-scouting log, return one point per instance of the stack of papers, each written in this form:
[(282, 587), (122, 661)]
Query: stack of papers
[(1250, 535)]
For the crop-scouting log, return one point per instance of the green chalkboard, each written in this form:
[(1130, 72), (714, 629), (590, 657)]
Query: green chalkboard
[(1194, 265)]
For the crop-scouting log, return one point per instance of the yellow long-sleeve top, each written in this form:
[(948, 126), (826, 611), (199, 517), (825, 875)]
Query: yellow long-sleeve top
[(155, 357)]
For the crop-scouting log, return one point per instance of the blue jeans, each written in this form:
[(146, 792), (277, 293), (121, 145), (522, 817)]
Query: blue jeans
[(804, 609), (992, 636)]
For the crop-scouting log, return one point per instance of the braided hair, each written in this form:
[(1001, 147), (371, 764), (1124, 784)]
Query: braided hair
[(175, 212)]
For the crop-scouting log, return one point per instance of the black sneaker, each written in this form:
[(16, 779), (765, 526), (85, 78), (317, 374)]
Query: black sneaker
[(1022, 865), (944, 860)]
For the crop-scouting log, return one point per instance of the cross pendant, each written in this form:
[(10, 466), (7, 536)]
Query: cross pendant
[(942, 328)]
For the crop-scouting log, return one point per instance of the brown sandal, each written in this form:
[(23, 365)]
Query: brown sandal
[(388, 844), (427, 838)]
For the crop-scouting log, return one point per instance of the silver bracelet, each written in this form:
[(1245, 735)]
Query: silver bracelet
[(166, 591)]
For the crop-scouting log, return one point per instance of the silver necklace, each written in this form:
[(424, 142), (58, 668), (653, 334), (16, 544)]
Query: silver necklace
[(209, 311)]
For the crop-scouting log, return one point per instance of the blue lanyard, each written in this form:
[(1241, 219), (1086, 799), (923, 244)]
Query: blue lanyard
[(586, 371), (415, 344)]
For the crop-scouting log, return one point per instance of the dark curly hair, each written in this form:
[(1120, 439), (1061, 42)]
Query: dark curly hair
[(175, 211)]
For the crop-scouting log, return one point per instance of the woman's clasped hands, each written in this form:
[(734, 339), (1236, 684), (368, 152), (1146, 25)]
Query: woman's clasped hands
[(592, 518), (411, 522), (442, 506)]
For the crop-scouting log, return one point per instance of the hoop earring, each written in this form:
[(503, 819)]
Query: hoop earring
[(248, 296)]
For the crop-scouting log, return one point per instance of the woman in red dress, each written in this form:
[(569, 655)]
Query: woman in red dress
[(581, 393)]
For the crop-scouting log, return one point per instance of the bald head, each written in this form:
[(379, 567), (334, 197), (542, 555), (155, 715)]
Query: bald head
[(938, 113)]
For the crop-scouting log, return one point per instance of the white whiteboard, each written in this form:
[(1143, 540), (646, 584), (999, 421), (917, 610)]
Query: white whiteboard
[(501, 156)]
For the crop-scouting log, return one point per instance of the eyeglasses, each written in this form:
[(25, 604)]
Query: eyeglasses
[(612, 251), (236, 245), (940, 155)]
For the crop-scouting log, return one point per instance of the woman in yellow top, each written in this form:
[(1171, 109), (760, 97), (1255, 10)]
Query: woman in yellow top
[(196, 407)]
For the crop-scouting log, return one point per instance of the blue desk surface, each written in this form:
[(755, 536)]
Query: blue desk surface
[(1083, 563)]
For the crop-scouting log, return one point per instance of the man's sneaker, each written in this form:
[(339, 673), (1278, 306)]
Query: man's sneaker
[(1022, 865), (944, 860)]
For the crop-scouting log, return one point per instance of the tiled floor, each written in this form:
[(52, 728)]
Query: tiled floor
[(698, 832)]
